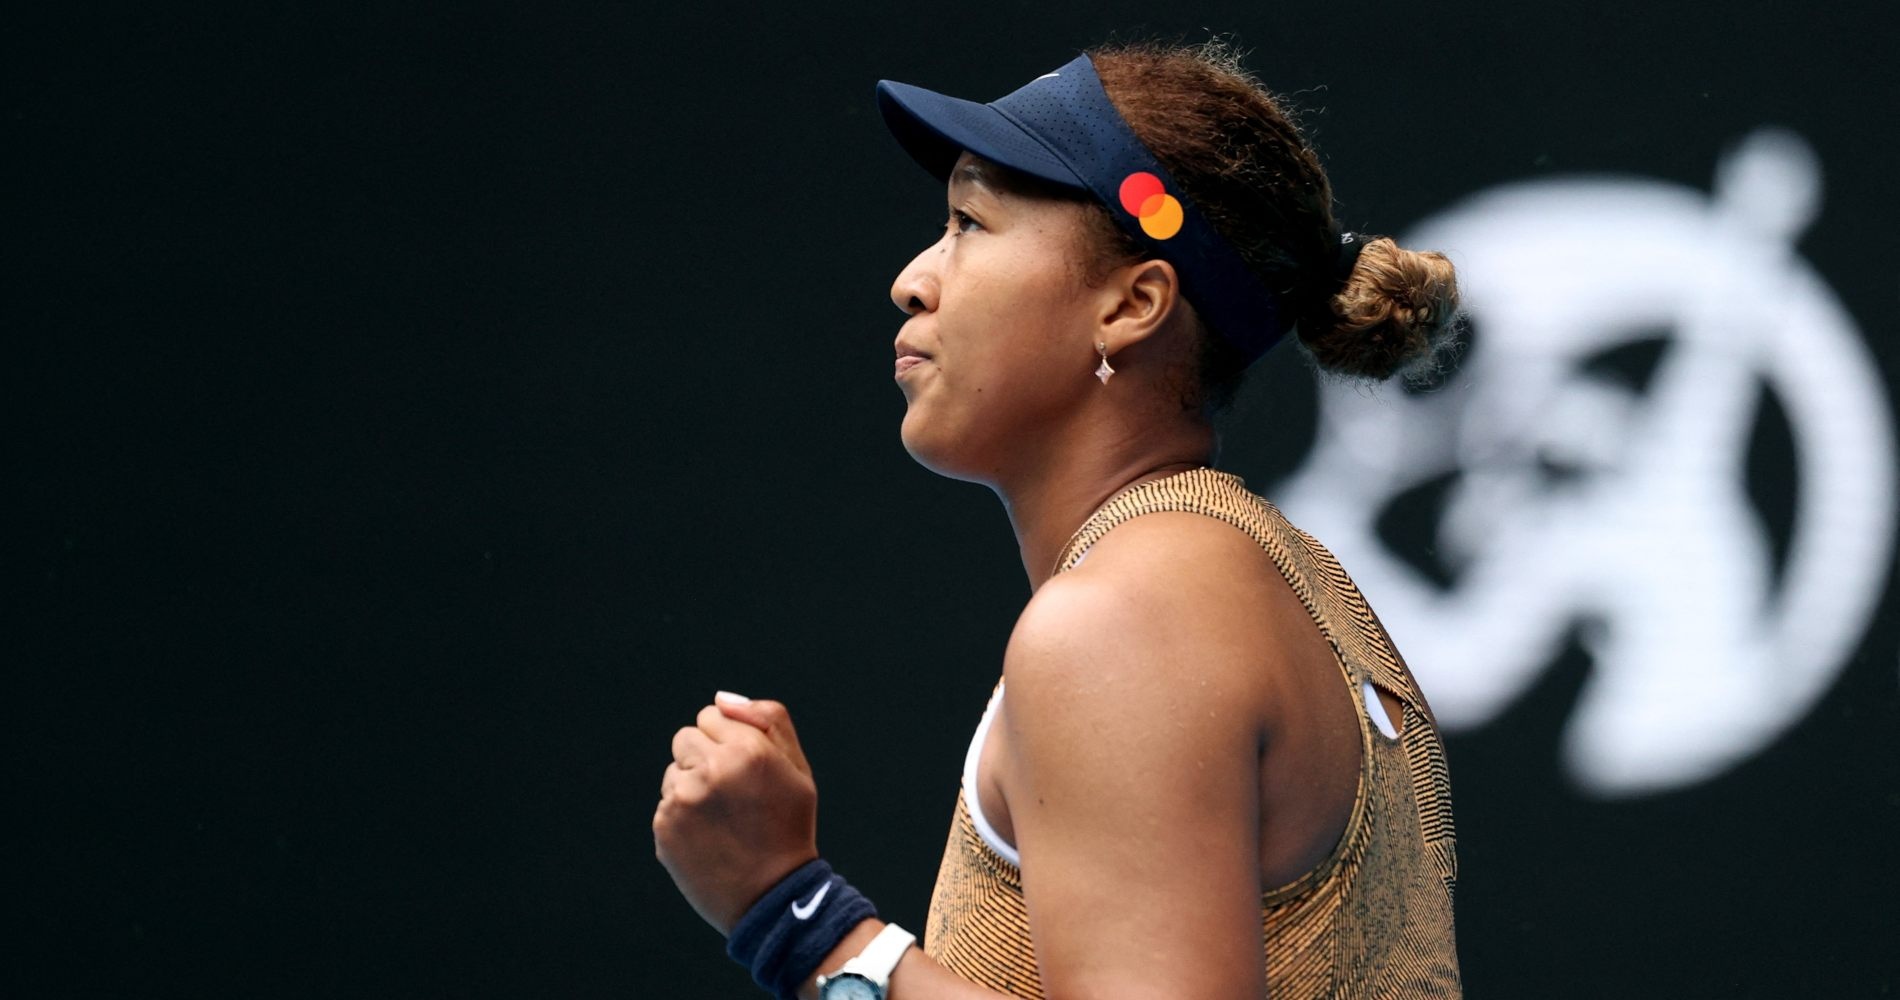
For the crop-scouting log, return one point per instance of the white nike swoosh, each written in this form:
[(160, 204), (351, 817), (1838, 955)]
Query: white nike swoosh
[(1045, 76), (805, 912)]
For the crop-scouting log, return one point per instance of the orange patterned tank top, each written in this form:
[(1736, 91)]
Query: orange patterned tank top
[(1372, 920)]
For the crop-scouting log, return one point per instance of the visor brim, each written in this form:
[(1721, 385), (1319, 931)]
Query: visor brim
[(935, 129)]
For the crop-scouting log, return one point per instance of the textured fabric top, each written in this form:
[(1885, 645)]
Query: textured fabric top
[(1372, 920)]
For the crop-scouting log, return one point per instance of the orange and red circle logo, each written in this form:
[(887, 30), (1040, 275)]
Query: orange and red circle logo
[(1145, 199)]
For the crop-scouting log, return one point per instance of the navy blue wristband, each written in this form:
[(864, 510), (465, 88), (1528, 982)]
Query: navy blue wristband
[(791, 929)]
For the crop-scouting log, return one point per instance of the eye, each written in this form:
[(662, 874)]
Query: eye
[(961, 222)]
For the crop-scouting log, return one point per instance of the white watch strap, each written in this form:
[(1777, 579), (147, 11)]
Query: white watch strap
[(879, 958)]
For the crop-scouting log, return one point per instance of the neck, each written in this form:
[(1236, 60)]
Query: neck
[(1055, 494)]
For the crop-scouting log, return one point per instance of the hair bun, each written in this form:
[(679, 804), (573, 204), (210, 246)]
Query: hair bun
[(1391, 315)]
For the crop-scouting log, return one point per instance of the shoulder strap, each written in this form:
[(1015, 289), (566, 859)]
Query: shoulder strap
[(1200, 491)]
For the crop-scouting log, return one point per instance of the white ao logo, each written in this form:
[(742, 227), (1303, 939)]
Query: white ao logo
[(1576, 501)]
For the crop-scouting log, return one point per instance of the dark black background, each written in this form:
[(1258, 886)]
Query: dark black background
[(417, 414)]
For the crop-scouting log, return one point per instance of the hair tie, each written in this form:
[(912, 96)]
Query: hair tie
[(1349, 246)]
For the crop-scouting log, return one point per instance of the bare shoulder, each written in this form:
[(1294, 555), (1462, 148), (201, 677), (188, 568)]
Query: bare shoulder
[(1167, 606), (1170, 574)]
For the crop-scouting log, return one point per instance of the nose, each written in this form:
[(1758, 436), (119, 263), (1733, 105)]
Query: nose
[(916, 287)]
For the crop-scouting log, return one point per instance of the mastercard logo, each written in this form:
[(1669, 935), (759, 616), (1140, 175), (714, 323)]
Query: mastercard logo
[(1145, 199)]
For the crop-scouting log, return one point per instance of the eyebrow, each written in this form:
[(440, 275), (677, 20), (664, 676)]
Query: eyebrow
[(974, 172)]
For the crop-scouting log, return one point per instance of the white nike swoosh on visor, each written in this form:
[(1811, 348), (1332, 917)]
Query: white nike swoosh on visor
[(805, 912), (1045, 76)]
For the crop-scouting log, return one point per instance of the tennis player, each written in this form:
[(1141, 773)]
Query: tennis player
[(1205, 772)]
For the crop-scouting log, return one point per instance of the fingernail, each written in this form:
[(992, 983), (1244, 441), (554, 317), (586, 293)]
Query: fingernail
[(732, 699)]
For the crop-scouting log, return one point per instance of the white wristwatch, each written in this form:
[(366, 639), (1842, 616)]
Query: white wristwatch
[(868, 976)]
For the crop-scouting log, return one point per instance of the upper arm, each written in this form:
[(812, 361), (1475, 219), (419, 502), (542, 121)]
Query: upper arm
[(1132, 776)]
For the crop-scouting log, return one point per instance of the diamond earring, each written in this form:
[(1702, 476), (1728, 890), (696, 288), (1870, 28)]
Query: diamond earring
[(1103, 371)]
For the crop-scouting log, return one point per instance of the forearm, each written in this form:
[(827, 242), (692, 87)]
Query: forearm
[(917, 977)]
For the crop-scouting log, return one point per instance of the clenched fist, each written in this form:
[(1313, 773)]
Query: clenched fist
[(738, 807)]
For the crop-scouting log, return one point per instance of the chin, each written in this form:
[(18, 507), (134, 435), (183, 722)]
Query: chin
[(937, 452)]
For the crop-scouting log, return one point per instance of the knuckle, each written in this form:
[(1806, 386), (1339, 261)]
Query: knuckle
[(752, 759), (691, 793)]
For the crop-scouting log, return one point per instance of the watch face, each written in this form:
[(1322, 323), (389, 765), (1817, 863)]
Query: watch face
[(850, 986)]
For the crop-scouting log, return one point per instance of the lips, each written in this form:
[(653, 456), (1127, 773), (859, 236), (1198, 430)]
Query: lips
[(908, 356)]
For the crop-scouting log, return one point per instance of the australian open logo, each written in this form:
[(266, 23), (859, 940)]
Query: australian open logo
[(1667, 443)]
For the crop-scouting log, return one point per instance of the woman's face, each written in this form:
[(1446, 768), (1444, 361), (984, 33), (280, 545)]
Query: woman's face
[(998, 307)]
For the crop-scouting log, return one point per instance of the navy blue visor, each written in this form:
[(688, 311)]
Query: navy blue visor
[(1062, 128)]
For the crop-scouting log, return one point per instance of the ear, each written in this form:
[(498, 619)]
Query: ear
[(1136, 302)]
